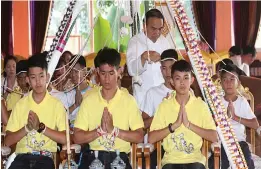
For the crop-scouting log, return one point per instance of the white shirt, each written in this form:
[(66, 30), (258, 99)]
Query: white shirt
[(64, 98), (238, 62), (243, 110), (246, 69), (154, 97), (150, 74)]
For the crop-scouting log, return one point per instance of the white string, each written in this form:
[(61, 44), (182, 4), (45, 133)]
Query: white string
[(60, 78), (210, 46), (137, 79), (170, 30), (147, 45), (21, 72), (75, 59), (118, 40), (84, 78), (113, 25), (229, 73), (236, 78), (168, 59), (12, 90)]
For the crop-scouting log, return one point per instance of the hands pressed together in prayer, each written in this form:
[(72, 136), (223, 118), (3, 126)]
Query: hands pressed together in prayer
[(231, 110), (182, 118), (32, 121), (107, 121)]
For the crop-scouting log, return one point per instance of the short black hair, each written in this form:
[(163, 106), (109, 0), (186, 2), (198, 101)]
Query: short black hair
[(6, 59), (234, 50), (109, 56), (22, 65), (67, 52), (223, 63), (81, 60), (182, 66), (38, 60), (153, 13), (96, 61), (170, 53), (249, 50), (229, 68)]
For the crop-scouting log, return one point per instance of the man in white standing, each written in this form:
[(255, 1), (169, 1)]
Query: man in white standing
[(143, 55)]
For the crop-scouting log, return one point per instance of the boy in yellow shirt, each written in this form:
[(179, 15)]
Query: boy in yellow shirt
[(181, 122), (109, 119), (37, 122)]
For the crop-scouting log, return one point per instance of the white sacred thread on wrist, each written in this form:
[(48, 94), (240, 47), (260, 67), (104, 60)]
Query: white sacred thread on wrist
[(239, 120), (188, 125), (26, 129)]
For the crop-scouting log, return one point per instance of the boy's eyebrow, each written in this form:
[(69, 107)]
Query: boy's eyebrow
[(230, 73), (30, 74)]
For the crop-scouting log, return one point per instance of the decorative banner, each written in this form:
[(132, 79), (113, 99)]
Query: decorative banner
[(63, 34), (208, 89)]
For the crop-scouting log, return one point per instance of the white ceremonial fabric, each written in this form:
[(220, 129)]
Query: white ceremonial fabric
[(150, 74)]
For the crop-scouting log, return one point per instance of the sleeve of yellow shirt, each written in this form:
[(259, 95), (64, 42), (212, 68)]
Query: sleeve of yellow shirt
[(208, 122), (135, 119), (158, 120), (11, 100), (13, 121), (61, 117), (81, 121)]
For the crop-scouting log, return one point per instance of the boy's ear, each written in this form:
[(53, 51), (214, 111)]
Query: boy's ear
[(192, 80), (120, 71), (47, 77), (171, 81), (238, 83)]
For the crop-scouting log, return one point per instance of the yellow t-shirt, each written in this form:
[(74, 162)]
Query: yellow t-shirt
[(125, 113), (183, 146), (50, 112), (93, 89), (11, 100)]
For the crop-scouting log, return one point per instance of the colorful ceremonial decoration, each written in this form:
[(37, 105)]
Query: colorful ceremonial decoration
[(63, 34), (209, 91)]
